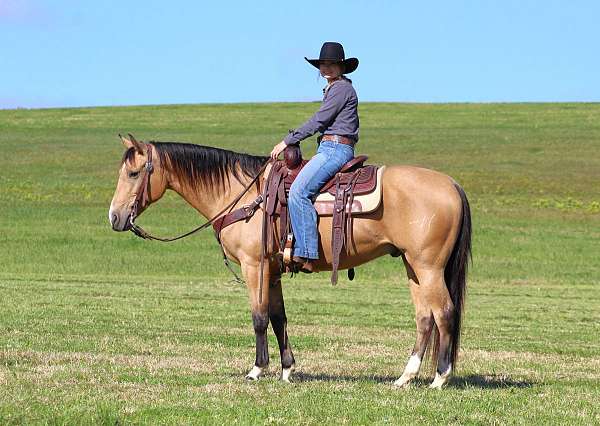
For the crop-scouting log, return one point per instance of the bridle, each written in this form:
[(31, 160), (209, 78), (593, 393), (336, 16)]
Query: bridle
[(143, 196), (142, 200)]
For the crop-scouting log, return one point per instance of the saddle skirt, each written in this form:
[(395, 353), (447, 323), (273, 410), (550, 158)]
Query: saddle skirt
[(365, 201)]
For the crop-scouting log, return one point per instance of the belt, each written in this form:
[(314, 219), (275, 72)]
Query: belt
[(340, 139)]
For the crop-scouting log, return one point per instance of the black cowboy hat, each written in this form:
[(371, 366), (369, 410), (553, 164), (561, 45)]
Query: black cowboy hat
[(332, 51)]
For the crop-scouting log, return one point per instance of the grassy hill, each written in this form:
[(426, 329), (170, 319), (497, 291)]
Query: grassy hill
[(102, 327)]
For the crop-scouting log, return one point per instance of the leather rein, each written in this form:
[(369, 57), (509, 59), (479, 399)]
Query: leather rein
[(142, 200)]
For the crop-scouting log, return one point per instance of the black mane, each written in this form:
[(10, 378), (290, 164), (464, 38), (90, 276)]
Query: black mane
[(206, 166)]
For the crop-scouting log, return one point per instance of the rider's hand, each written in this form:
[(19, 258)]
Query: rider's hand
[(277, 150)]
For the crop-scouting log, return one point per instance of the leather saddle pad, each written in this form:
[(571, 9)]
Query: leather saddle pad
[(365, 182), (366, 200)]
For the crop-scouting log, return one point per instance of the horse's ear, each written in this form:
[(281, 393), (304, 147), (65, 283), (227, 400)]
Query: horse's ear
[(131, 142)]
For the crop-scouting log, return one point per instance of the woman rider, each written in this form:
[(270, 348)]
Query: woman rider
[(337, 121)]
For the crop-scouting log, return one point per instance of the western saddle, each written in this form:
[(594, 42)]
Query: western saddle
[(354, 178)]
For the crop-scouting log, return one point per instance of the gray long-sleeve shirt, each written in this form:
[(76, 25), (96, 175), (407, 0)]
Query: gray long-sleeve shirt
[(338, 115)]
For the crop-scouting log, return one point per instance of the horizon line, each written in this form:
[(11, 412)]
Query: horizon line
[(19, 108)]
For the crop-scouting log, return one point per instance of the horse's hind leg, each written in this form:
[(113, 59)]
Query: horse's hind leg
[(424, 322), (434, 312), (434, 294), (279, 324), (443, 315)]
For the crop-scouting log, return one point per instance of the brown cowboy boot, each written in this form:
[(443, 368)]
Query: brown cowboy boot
[(303, 264)]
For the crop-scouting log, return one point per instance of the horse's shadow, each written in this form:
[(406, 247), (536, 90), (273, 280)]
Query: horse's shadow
[(300, 377), (484, 381), (489, 381)]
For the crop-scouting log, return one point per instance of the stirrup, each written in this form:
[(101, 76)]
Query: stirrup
[(287, 251)]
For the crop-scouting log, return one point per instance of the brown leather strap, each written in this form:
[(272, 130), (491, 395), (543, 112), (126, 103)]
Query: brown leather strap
[(336, 230), (271, 185), (283, 225), (267, 222), (243, 213), (348, 205), (341, 221), (143, 196)]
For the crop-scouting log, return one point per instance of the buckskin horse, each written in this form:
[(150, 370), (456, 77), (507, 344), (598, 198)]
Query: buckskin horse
[(423, 218)]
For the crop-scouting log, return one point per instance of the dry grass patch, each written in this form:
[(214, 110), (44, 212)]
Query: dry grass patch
[(52, 362), (352, 333)]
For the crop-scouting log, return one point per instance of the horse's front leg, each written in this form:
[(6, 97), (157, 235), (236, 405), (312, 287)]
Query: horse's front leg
[(260, 314), (279, 324)]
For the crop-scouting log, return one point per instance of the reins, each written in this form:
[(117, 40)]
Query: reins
[(143, 198)]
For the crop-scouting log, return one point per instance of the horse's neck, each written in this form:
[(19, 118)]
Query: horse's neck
[(211, 202)]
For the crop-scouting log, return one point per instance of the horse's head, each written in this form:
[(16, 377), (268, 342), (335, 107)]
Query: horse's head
[(139, 183)]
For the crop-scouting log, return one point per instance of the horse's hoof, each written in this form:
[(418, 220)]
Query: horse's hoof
[(440, 380), (254, 374), (403, 382), (436, 385)]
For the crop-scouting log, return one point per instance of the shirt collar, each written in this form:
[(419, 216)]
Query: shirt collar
[(326, 88)]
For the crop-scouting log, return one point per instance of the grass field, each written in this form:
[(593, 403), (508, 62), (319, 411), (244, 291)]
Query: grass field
[(101, 327)]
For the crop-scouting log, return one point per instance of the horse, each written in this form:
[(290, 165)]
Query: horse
[(424, 218)]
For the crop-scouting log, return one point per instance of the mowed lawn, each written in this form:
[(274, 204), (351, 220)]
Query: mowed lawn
[(101, 327)]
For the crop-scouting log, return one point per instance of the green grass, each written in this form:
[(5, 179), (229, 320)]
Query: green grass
[(102, 328)]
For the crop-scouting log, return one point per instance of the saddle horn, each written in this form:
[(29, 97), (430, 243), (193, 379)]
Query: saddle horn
[(292, 155)]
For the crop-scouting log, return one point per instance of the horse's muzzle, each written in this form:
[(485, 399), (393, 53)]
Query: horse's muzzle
[(118, 222)]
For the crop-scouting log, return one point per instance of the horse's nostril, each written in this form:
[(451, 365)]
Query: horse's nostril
[(114, 220)]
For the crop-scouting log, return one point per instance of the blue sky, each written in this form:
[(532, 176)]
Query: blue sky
[(79, 53)]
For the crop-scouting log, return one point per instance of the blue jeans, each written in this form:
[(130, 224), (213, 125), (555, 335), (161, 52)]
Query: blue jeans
[(330, 158)]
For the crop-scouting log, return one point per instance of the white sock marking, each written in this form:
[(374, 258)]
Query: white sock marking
[(285, 374), (255, 373), (413, 366), (410, 371)]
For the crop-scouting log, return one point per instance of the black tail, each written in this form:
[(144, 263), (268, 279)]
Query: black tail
[(455, 276), (455, 273)]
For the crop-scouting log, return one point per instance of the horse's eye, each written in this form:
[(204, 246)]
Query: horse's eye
[(133, 175)]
